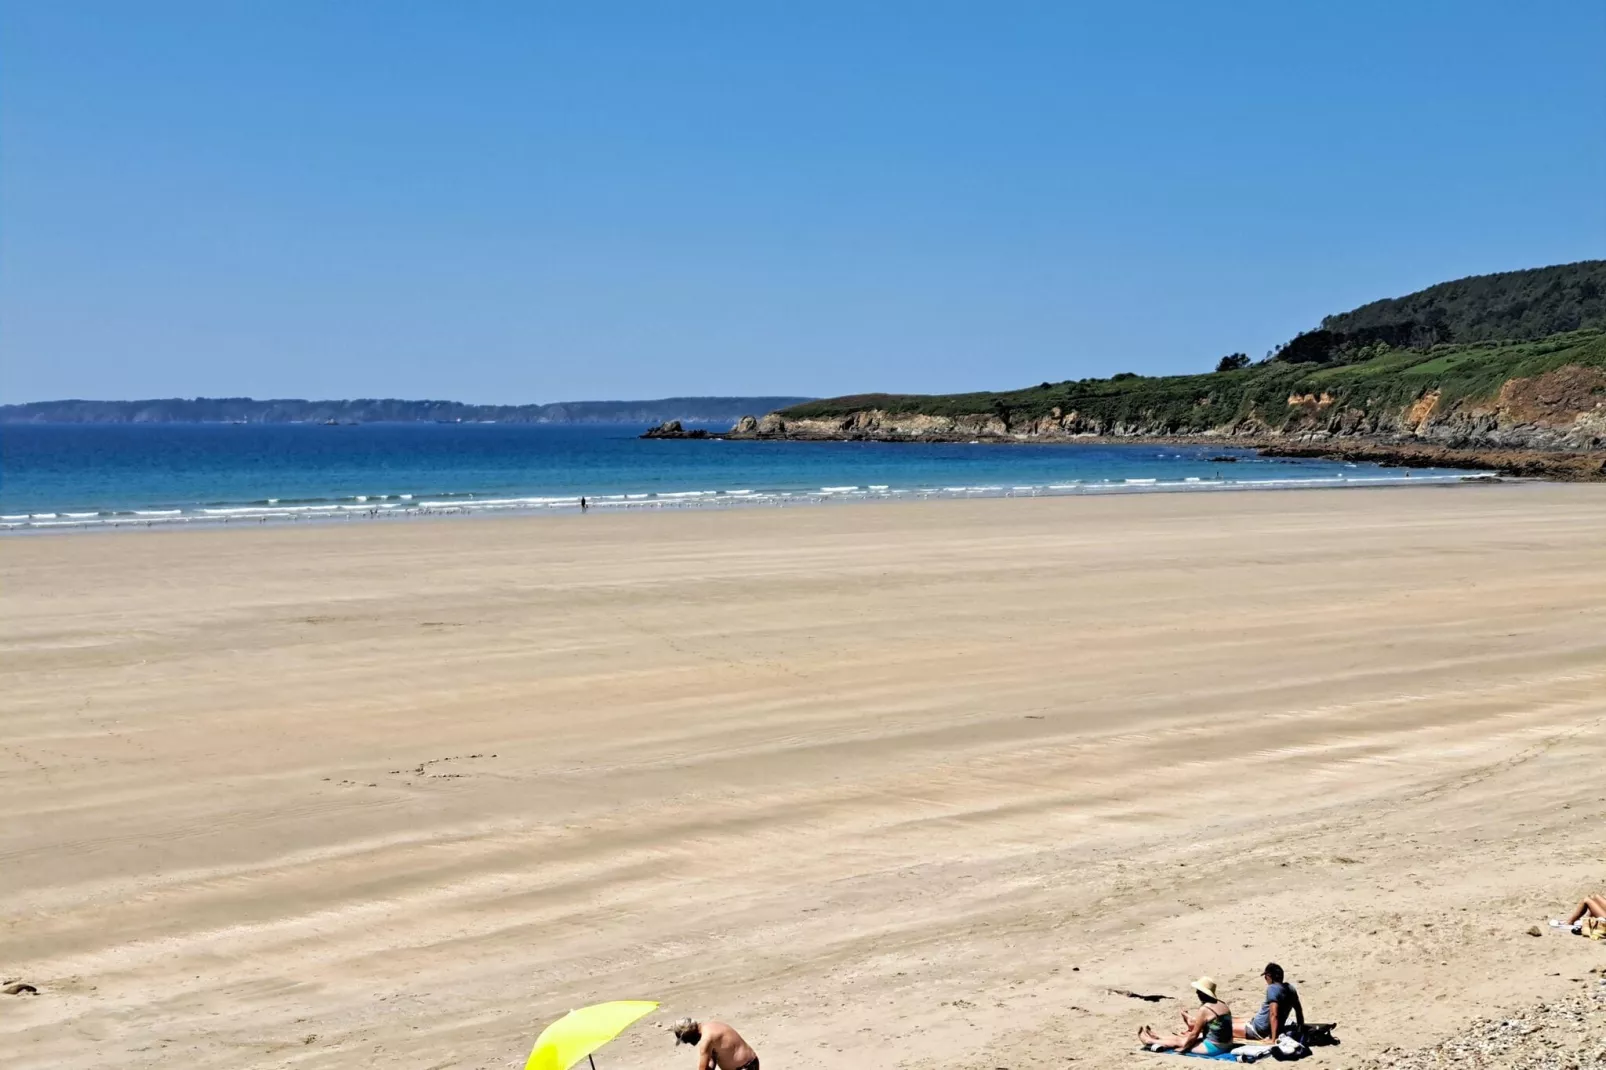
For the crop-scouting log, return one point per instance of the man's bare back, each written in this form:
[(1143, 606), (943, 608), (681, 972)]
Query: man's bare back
[(719, 1047)]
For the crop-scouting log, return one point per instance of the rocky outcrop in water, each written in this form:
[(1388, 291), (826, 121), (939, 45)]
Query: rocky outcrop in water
[(674, 429)]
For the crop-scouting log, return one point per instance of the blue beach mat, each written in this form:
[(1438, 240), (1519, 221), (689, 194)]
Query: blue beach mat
[(1233, 1056), (1225, 1056)]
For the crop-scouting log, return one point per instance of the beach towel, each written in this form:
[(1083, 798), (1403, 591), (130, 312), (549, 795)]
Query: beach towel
[(1286, 1048), (1226, 1056), (1234, 1056)]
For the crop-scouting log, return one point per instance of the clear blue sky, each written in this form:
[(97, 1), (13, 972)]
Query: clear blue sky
[(536, 202)]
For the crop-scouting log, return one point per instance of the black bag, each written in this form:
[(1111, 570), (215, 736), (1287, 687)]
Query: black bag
[(1313, 1034)]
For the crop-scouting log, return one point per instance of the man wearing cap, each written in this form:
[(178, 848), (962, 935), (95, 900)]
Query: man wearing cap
[(719, 1047), (1210, 1029), (1281, 1001)]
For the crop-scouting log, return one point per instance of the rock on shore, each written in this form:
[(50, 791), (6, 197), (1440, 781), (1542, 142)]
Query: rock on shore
[(1569, 1034)]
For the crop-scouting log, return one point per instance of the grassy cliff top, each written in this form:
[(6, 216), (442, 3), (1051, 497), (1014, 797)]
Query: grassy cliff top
[(1463, 338), (1377, 376)]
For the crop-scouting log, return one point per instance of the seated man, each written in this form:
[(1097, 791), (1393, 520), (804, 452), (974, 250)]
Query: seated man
[(719, 1047), (1210, 1029), (1593, 906), (1281, 1001)]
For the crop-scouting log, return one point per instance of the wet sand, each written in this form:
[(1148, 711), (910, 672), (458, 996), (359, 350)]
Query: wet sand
[(908, 783)]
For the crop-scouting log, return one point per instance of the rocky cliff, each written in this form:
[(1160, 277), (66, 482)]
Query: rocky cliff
[(1534, 408), (1563, 409), (1503, 371)]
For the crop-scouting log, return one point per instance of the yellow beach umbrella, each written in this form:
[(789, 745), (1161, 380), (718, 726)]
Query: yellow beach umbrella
[(579, 1033)]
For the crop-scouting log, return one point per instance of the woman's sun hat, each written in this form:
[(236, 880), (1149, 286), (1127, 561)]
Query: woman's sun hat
[(1206, 985)]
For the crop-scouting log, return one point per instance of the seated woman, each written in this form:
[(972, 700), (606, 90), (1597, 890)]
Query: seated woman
[(1593, 906), (1210, 1029)]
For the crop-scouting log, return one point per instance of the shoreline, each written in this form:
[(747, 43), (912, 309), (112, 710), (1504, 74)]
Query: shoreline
[(1530, 464), (277, 515), (1555, 465)]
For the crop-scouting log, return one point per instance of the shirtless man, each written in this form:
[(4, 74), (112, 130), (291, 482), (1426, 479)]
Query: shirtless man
[(719, 1047)]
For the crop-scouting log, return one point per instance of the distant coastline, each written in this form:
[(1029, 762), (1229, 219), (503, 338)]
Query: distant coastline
[(387, 410)]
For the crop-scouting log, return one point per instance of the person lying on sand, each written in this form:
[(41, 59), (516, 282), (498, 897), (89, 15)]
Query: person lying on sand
[(719, 1047), (1593, 906), (1210, 1029), (1281, 1001)]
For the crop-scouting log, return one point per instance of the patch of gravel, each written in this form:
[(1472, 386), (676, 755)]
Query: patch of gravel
[(1566, 1034)]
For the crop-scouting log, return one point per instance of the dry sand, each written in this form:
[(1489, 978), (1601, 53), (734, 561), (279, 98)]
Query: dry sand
[(906, 784)]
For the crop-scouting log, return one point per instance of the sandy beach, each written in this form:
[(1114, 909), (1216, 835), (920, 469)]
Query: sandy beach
[(910, 784)]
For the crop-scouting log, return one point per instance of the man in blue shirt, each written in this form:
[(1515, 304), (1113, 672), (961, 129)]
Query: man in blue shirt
[(1281, 1001)]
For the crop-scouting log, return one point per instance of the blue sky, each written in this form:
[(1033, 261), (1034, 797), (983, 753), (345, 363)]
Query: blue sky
[(536, 202)]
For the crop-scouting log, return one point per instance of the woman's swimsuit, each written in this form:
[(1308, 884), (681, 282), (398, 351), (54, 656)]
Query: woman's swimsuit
[(1218, 1033)]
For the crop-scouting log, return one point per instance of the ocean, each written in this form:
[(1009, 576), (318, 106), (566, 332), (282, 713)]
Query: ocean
[(101, 475)]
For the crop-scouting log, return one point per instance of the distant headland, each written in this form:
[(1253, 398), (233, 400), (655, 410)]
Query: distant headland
[(715, 410), (1504, 372)]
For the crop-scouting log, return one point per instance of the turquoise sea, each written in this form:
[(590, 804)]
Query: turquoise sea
[(99, 475)]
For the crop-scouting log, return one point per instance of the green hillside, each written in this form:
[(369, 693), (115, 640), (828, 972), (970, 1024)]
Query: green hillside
[(1512, 305), (1386, 378), (1464, 339)]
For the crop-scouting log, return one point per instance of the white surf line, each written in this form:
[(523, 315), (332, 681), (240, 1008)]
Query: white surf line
[(405, 506)]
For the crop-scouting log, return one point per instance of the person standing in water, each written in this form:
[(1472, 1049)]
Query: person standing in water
[(719, 1047), (583, 505)]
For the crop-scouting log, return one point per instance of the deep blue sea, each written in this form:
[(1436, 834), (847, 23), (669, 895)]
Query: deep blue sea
[(89, 475)]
